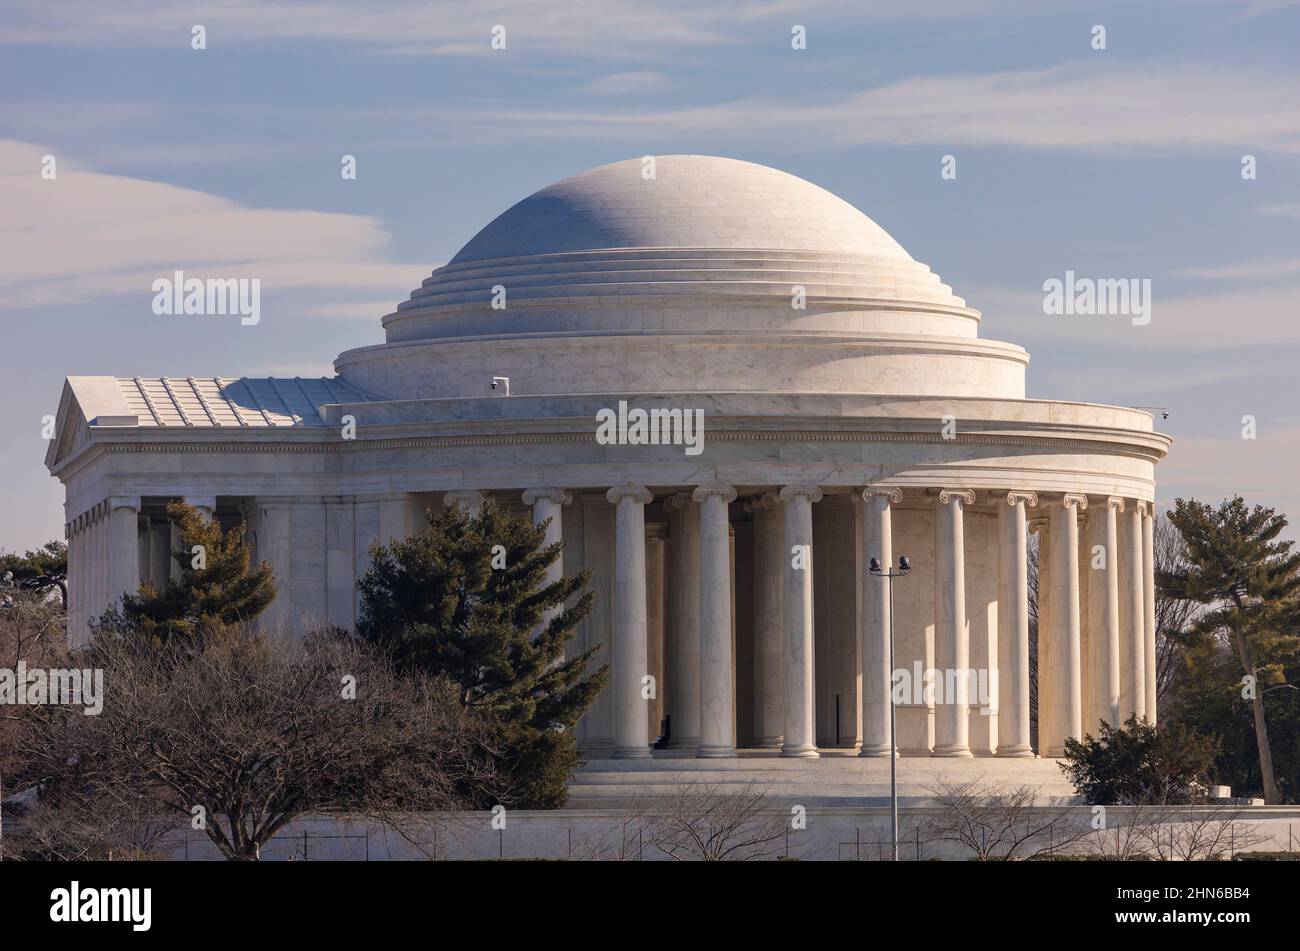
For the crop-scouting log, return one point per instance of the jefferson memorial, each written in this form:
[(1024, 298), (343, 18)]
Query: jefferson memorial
[(850, 411)]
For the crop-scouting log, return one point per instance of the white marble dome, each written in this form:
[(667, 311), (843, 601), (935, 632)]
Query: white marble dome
[(714, 275)]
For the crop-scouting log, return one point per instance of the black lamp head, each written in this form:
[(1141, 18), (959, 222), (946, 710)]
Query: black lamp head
[(904, 564), (874, 566)]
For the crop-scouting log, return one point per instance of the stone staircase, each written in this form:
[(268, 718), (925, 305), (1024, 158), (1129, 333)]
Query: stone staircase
[(832, 780)]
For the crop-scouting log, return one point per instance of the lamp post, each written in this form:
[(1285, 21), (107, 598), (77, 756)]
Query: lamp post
[(904, 566)]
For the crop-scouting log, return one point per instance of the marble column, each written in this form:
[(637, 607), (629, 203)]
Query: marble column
[(76, 574), (547, 505), (629, 634), (951, 632), (877, 677), (684, 624), (1013, 626), (1133, 683), (656, 544), (796, 555), (1102, 554), (274, 515), (470, 500), (123, 547), (161, 561), (1063, 677), (205, 505), (769, 633), (400, 516), (717, 714), (1149, 607)]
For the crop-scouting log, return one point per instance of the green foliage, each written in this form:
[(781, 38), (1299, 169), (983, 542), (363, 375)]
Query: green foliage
[(1137, 764), (466, 599), (50, 559), (220, 589), (1207, 697), (1249, 582)]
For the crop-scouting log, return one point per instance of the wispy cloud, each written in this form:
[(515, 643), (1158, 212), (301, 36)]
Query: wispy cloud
[(85, 234)]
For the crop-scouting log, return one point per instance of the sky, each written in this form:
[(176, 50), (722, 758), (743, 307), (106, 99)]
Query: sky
[(1119, 162)]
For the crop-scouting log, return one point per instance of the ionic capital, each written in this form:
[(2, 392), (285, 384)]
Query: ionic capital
[(123, 502), (813, 493), (759, 503), (656, 531), (1015, 498), (893, 494), (678, 501), (550, 494), (1115, 503), (1080, 502), (723, 490), (637, 493), (1144, 508), (470, 499), (948, 496)]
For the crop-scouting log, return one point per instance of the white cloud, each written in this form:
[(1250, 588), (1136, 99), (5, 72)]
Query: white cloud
[(622, 84), (85, 234), (1220, 322), (1080, 107)]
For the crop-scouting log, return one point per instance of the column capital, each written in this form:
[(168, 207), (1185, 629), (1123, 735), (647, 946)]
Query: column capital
[(1039, 524), (1075, 499), (201, 501), (948, 496), (656, 531), (555, 495), (471, 499), (1144, 508), (678, 501), (723, 490), (637, 493), (758, 503), (1015, 497), (123, 502), (1114, 503), (790, 492), (892, 493)]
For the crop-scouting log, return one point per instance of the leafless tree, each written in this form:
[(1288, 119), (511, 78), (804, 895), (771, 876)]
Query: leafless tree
[(246, 734), (995, 823), (715, 823), (33, 631), (1203, 834), (1173, 615)]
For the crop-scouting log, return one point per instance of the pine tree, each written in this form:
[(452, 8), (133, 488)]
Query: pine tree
[(1250, 581), (467, 599), (218, 584)]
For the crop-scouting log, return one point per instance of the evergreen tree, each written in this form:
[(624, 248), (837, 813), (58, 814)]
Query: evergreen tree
[(1249, 581), (467, 598), (1137, 765), (218, 585)]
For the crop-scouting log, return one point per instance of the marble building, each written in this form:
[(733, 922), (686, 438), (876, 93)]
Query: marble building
[(851, 410)]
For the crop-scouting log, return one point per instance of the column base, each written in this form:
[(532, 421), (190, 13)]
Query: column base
[(877, 751), (687, 744), (770, 742), (716, 752), (635, 752), (804, 752), (951, 752), (1015, 752)]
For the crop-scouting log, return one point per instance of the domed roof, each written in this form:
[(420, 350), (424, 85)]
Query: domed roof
[(693, 201), (705, 244)]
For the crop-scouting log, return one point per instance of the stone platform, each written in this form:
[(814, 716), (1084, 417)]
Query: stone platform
[(829, 781)]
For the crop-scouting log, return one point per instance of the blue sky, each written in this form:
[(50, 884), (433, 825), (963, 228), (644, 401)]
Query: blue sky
[(1123, 162)]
